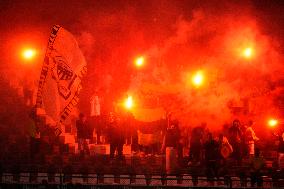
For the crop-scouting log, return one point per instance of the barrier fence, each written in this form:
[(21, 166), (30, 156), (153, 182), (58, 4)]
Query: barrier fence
[(59, 180)]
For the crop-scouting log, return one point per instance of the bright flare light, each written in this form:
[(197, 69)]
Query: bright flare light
[(247, 52), (139, 61), (28, 54), (128, 102), (198, 79), (272, 122)]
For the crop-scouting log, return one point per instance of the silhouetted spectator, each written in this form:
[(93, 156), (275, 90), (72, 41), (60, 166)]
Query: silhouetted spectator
[(116, 136), (171, 146), (257, 164), (212, 158), (34, 133), (235, 140), (95, 116), (171, 138), (127, 123), (250, 139), (281, 151), (195, 143), (83, 134)]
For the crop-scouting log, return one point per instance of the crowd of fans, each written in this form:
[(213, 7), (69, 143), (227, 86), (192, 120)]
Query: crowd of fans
[(236, 142)]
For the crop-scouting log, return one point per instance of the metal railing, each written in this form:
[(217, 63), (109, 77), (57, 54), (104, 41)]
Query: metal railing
[(34, 180)]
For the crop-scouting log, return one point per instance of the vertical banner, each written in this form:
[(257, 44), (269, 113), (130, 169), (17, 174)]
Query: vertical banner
[(60, 80)]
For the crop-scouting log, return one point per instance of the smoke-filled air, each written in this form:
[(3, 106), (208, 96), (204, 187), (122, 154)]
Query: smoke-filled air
[(200, 62)]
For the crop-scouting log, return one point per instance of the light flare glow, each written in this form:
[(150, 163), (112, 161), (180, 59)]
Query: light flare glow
[(198, 79), (272, 122), (248, 52), (139, 61), (28, 54), (128, 104)]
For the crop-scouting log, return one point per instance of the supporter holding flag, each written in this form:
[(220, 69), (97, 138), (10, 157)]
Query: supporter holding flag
[(226, 148)]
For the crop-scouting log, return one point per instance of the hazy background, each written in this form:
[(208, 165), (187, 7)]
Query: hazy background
[(177, 38)]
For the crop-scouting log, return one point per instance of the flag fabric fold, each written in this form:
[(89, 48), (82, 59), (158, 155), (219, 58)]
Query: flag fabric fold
[(59, 86)]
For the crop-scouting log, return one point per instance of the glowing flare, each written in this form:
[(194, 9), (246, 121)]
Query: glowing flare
[(272, 122), (139, 61), (247, 52), (198, 79), (128, 102), (29, 54)]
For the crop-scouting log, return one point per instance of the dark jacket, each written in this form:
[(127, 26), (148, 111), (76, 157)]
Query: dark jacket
[(82, 129), (212, 150), (116, 132), (281, 145), (172, 137)]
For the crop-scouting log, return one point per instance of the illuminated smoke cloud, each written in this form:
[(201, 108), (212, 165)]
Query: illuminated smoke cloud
[(237, 86), (177, 38)]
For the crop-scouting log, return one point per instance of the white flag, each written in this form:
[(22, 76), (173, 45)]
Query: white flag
[(60, 80)]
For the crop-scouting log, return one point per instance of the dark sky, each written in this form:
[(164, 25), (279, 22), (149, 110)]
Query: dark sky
[(117, 22), (21, 16)]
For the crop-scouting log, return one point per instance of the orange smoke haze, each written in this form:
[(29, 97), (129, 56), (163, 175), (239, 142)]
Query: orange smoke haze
[(240, 58)]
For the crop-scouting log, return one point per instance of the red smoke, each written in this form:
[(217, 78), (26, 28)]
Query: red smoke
[(178, 38)]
